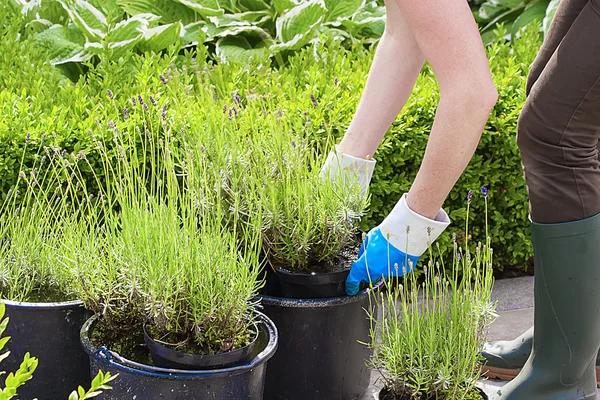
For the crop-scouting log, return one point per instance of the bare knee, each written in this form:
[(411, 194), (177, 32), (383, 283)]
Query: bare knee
[(478, 96)]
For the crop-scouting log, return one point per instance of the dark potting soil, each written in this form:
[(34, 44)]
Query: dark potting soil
[(184, 343), (387, 395), (342, 262), (129, 342)]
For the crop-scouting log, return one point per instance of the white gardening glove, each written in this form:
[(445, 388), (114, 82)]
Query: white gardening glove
[(348, 169)]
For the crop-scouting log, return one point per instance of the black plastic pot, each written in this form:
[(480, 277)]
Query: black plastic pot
[(50, 332), (144, 382), (312, 286), (319, 356), (167, 357)]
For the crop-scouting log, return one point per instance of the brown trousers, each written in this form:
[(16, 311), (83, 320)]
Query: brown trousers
[(559, 126)]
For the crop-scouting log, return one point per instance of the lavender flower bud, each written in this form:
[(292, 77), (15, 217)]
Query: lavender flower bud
[(163, 79), (43, 137), (140, 99), (314, 100), (470, 196), (145, 106), (62, 154), (164, 116), (27, 137), (110, 94), (484, 190), (125, 113), (224, 108), (237, 99), (133, 102), (153, 101), (43, 160)]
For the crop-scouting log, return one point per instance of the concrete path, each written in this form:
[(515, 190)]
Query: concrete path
[(515, 316)]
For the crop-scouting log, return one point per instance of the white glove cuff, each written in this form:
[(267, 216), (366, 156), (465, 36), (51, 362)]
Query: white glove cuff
[(344, 166), (410, 232)]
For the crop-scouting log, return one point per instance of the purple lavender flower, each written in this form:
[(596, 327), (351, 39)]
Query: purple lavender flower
[(110, 94), (237, 99), (62, 154), (470, 196), (125, 113), (314, 100), (163, 79), (111, 125), (165, 106), (43, 137), (133, 103), (140, 99), (336, 81), (27, 137), (293, 144), (43, 160), (145, 106), (153, 101), (164, 115), (484, 190), (224, 108)]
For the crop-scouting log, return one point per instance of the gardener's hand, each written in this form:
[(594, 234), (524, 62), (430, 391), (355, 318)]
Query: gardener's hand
[(348, 170), (394, 247)]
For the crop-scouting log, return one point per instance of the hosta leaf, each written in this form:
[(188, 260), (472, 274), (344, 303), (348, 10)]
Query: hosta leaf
[(297, 26), (281, 6), (128, 30), (254, 5), (193, 34), (241, 19), (87, 18), (212, 31), (550, 12), (169, 10), (508, 3), (204, 7), (161, 37), (238, 49), (338, 9), (64, 44), (107, 6), (38, 25), (535, 11)]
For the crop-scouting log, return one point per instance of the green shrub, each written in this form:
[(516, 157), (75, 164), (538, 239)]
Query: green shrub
[(74, 118)]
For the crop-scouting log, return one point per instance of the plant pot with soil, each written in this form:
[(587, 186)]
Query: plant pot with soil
[(173, 292), (310, 240), (427, 341), (37, 287)]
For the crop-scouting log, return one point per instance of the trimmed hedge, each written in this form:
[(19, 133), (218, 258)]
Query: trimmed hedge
[(37, 102)]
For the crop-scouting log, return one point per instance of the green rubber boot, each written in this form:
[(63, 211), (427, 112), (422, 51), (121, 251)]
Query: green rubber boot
[(504, 359), (562, 364)]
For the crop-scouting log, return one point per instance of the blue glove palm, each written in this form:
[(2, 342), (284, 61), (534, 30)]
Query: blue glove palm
[(377, 258)]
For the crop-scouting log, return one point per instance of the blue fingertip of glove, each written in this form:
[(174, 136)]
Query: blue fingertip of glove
[(378, 258)]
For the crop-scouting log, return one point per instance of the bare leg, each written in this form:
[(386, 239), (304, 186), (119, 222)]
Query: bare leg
[(448, 37)]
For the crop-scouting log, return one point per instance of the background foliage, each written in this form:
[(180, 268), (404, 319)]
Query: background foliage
[(61, 116)]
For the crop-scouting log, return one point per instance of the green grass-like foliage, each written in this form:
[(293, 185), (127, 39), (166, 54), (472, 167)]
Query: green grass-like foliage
[(427, 342), (34, 99)]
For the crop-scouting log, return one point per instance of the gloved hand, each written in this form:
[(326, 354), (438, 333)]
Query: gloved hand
[(394, 247), (348, 169)]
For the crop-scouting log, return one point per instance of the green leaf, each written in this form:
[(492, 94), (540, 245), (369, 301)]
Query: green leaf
[(161, 37), (297, 26), (193, 34), (212, 31), (204, 7), (238, 49), (87, 18), (550, 12), (254, 5), (536, 11), (63, 43), (341, 9), (107, 6), (281, 6), (169, 11), (242, 19)]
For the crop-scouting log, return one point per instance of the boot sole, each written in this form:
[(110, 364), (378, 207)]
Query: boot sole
[(506, 374)]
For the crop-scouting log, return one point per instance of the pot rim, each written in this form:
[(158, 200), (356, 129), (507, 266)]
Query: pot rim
[(320, 303), (61, 305), (104, 356), (484, 395)]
